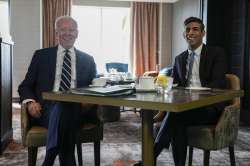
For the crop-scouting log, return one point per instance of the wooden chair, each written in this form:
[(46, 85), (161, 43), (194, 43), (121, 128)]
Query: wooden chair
[(221, 135), (166, 71), (35, 136), (151, 73)]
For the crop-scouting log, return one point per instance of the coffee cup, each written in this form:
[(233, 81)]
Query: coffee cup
[(128, 76), (99, 82), (146, 82)]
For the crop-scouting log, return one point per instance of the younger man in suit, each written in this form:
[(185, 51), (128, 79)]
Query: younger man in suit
[(58, 69), (198, 66)]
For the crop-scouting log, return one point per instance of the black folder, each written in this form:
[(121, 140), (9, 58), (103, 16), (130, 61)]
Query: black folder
[(115, 90)]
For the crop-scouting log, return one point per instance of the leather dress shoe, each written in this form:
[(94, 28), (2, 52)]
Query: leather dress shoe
[(139, 163)]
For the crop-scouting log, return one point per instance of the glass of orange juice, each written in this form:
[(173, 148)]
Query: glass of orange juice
[(164, 84)]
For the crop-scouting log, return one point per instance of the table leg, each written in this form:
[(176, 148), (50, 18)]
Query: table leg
[(147, 138)]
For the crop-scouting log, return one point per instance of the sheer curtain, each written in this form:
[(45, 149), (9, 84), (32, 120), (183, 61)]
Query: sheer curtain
[(51, 10), (104, 33), (145, 36)]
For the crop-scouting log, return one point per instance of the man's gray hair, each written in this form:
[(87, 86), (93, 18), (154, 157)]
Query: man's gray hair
[(58, 19)]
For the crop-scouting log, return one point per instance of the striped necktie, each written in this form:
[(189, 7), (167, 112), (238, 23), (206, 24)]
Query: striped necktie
[(66, 72), (190, 68)]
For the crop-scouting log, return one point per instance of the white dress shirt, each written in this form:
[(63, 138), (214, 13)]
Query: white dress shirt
[(195, 76), (59, 64)]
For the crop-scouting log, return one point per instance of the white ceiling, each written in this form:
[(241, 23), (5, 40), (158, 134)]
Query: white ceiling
[(162, 1)]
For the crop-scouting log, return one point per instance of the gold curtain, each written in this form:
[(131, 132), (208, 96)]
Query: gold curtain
[(51, 10), (145, 36)]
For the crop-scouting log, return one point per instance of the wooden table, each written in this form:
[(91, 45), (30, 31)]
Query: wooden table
[(177, 100)]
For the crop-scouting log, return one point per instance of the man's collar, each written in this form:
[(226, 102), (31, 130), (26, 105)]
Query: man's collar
[(197, 51), (61, 49)]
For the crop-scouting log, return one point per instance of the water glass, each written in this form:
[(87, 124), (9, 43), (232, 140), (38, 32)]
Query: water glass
[(169, 85), (167, 88)]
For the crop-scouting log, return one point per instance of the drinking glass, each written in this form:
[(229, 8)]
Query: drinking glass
[(164, 84), (169, 85)]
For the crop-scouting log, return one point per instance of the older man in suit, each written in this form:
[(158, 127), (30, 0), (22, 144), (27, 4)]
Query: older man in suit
[(58, 69), (198, 66)]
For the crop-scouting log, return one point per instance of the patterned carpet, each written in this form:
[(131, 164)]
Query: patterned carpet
[(121, 147)]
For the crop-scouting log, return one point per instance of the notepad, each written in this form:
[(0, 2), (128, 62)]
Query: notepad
[(104, 91)]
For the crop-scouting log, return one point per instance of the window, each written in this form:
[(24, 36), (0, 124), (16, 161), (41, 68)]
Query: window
[(4, 19), (104, 33)]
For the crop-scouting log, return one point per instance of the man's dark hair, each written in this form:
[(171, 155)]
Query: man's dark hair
[(195, 19)]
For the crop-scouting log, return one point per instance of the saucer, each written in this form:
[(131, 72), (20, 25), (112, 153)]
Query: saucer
[(91, 85), (198, 88), (145, 90)]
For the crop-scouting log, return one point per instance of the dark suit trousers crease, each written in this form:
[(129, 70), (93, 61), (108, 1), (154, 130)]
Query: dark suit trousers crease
[(69, 124), (174, 130), (71, 121), (64, 120)]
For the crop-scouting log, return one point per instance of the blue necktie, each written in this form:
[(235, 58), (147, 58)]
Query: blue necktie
[(190, 68), (66, 72)]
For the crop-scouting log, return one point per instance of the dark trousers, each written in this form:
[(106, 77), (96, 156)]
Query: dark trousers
[(72, 117), (174, 130)]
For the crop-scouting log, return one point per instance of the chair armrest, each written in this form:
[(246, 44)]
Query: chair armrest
[(25, 123), (151, 73), (99, 114), (159, 116), (228, 124)]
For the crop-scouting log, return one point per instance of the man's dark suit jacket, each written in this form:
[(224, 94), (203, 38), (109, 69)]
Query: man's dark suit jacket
[(213, 67), (212, 70), (41, 74)]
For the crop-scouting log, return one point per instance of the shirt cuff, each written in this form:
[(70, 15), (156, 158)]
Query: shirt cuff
[(27, 100)]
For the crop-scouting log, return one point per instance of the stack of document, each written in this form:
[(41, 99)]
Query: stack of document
[(104, 91)]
